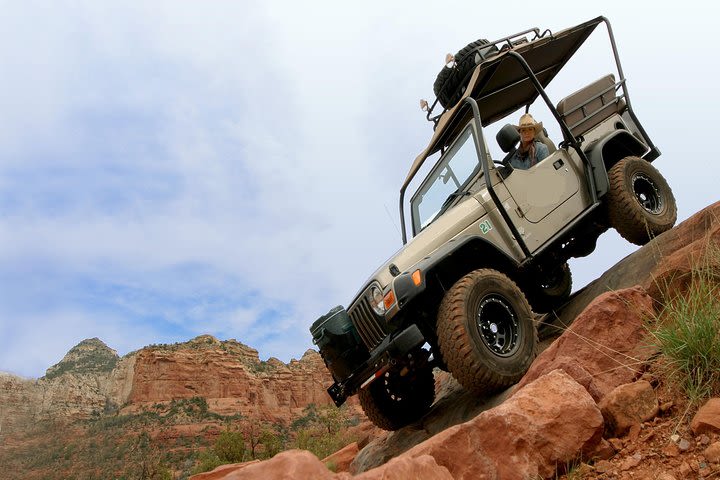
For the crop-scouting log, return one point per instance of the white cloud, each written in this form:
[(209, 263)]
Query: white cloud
[(226, 168)]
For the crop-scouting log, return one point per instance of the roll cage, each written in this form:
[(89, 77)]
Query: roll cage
[(512, 78)]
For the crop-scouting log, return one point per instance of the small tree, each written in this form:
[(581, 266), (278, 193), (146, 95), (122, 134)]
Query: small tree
[(207, 460), (252, 433), (331, 418), (230, 447), (271, 442)]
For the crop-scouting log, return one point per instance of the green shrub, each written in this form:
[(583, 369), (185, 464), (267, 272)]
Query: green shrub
[(272, 443), (207, 460), (319, 442), (230, 447), (687, 333)]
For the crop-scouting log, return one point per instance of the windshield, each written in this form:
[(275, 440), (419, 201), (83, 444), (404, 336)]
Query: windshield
[(446, 181)]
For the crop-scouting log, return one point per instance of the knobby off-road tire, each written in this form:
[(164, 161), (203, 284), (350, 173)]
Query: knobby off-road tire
[(394, 401), (486, 331), (552, 293), (640, 202), (449, 82)]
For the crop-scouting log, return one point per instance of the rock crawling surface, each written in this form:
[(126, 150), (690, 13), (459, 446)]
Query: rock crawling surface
[(595, 393)]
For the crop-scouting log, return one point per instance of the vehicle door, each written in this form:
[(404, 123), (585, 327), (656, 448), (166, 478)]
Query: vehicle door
[(543, 193)]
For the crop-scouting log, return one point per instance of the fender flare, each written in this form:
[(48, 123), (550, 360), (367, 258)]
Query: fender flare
[(607, 151), (404, 285)]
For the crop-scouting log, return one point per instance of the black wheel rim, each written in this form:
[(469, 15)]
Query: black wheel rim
[(497, 325), (553, 280), (647, 193), (394, 388)]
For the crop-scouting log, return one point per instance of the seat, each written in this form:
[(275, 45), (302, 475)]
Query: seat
[(586, 108), (541, 136)]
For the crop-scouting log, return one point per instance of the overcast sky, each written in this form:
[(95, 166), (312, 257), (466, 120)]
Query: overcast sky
[(169, 169)]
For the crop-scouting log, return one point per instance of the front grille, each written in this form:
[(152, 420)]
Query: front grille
[(367, 323)]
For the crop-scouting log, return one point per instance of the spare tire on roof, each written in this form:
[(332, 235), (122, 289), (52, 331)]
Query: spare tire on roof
[(450, 83)]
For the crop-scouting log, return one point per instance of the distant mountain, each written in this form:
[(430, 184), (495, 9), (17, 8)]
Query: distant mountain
[(93, 380), (90, 356)]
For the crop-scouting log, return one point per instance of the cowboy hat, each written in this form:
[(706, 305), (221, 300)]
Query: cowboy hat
[(527, 121)]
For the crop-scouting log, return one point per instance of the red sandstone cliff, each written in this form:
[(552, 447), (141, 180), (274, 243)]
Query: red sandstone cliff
[(93, 380), (231, 377)]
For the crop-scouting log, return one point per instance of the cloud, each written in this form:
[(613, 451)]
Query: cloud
[(168, 170)]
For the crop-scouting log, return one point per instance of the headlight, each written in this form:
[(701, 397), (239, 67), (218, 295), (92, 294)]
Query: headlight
[(375, 297)]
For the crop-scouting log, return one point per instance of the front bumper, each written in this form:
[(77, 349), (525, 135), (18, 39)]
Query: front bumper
[(393, 349)]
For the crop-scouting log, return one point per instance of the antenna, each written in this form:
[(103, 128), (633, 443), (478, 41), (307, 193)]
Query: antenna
[(392, 219)]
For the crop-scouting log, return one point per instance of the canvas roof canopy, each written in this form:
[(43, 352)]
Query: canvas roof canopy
[(500, 85)]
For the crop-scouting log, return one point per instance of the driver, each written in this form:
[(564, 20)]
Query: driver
[(530, 151)]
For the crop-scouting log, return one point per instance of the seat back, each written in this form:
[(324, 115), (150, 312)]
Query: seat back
[(541, 136), (584, 109)]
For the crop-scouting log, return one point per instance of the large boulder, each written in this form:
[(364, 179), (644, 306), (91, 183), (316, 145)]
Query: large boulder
[(547, 423), (605, 345), (288, 465), (340, 461), (668, 257), (423, 467)]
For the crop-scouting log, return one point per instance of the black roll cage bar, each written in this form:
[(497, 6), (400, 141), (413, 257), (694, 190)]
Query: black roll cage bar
[(571, 140)]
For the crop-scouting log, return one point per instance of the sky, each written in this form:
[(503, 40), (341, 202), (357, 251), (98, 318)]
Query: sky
[(170, 169)]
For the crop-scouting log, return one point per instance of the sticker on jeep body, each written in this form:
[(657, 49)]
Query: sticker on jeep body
[(485, 226)]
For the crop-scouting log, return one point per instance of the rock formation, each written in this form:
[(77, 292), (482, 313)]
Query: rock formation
[(92, 379), (231, 377), (88, 381)]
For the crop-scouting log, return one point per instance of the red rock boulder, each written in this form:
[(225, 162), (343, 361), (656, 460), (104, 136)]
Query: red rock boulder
[(707, 419), (604, 346), (628, 405), (547, 423), (340, 461)]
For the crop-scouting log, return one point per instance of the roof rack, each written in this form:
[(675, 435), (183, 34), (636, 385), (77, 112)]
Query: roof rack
[(486, 51)]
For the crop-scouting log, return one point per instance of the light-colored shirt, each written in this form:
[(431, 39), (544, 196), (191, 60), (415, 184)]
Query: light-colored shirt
[(523, 162)]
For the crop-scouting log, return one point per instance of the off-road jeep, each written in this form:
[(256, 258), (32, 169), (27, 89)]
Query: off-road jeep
[(491, 243)]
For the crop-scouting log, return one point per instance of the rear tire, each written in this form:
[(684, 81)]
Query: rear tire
[(546, 296), (641, 204), (393, 401), (486, 331)]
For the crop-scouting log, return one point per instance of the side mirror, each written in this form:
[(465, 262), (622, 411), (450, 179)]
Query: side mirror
[(507, 137)]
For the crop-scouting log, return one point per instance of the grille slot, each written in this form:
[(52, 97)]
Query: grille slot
[(367, 323)]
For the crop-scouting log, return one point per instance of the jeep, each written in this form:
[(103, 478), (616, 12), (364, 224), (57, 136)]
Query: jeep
[(490, 243)]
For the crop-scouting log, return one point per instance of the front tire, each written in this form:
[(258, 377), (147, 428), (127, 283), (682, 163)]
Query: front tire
[(641, 204), (486, 331), (393, 400)]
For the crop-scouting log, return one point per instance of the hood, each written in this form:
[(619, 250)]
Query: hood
[(450, 225)]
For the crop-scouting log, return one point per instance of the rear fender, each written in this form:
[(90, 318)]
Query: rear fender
[(608, 151)]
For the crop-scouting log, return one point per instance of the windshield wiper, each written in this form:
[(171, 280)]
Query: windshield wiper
[(449, 200)]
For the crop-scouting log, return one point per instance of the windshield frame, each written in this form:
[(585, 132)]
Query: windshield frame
[(467, 136)]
